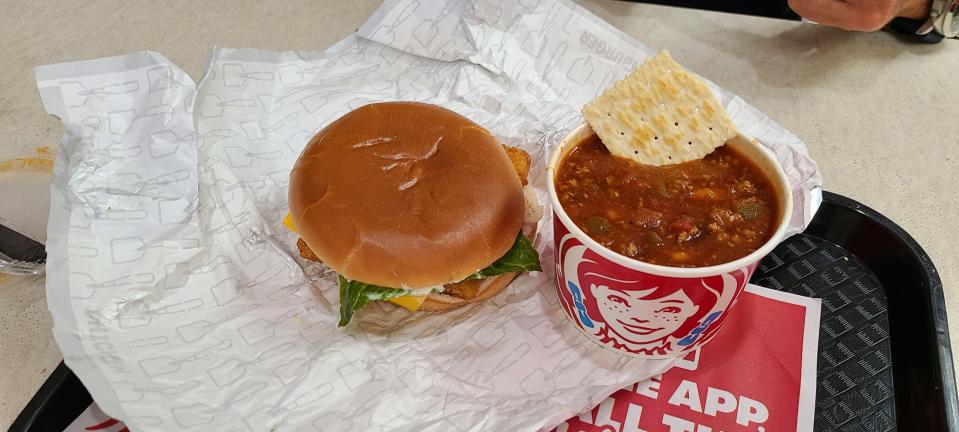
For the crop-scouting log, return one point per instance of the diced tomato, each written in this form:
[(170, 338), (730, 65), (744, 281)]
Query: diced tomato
[(683, 224)]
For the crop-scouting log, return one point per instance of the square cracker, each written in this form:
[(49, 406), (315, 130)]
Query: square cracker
[(660, 114)]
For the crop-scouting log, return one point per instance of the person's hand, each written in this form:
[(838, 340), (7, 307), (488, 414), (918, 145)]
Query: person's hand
[(859, 15)]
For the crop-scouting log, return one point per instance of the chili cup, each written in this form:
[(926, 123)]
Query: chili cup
[(585, 270)]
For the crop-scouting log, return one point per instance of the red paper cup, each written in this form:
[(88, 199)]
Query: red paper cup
[(646, 327)]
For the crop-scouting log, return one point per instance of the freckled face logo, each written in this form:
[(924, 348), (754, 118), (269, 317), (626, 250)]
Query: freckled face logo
[(637, 312), (661, 317)]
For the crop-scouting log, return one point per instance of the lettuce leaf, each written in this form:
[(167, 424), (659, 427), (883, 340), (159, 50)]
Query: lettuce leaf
[(354, 294), (521, 257)]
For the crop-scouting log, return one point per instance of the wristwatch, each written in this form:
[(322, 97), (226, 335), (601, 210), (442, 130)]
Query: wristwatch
[(943, 22)]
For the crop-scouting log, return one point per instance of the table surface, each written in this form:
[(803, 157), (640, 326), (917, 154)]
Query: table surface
[(874, 109)]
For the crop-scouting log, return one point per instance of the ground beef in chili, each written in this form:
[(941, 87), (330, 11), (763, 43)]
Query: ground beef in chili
[(696, 214)]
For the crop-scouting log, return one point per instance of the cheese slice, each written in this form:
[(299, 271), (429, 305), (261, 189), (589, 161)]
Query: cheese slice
[(288, 223), (412, 303)]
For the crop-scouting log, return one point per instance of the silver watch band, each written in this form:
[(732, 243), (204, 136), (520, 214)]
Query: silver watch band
[(926, 28), (943, 18)]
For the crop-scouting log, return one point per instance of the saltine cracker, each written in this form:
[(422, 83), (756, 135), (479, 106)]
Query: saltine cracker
[(660, 114)]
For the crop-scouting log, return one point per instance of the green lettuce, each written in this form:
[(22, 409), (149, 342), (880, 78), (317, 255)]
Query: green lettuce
[(521, 257), (354, 294)]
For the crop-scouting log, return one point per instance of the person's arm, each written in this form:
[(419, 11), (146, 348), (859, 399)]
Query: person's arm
[(860, 15)]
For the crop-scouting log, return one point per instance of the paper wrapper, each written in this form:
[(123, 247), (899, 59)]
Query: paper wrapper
[(176, 292)]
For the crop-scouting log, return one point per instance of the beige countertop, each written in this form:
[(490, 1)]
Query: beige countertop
[(878, 114)]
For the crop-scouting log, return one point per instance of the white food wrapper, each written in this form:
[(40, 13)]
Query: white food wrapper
[(177, 294)]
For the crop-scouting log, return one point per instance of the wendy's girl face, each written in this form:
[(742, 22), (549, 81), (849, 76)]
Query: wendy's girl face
[(641, 320)]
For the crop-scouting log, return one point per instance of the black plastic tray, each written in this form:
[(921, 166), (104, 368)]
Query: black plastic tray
[(922, 364), (884, 355), (846, 236)]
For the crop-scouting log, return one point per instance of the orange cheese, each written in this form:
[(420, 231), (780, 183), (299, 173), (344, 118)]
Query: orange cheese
[(288, 223), (411, 303)]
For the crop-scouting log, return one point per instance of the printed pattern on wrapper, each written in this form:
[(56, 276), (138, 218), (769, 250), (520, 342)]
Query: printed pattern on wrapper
[(177, 296)]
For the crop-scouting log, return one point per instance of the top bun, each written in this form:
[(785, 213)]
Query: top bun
[(406, 195)]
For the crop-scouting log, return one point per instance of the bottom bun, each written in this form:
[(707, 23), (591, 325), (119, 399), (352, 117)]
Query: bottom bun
[(488, 287)]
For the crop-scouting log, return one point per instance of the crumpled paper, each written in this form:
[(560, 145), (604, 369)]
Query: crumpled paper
[(177, 295)]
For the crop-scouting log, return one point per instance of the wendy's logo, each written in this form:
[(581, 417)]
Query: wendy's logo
[(641, 313)]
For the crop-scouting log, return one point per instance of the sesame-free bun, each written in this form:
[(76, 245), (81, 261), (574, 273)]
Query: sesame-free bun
[(406, 195)]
